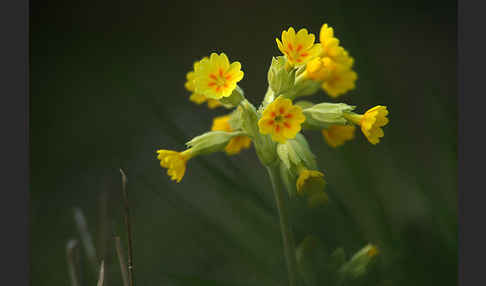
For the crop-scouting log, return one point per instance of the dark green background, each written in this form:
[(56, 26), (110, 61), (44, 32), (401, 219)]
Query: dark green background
[(107, 90)]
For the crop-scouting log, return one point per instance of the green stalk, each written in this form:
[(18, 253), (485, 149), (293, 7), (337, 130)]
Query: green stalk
[(287, 236)]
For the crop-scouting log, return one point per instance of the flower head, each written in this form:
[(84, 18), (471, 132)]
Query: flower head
[(215, 77), (320, 69), (332, 49), (337, 135), (175, 162), (337, 74), (298, 48), (329, 43), (198, 98), (371, 122), (237, 143), (344, 60), (281, 119), (340, 81)]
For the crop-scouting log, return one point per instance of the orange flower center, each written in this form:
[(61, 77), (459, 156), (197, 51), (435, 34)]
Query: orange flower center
[(219, 80), (280, 119), (294, 54)]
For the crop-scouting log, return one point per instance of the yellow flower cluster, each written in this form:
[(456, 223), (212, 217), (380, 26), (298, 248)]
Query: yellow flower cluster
[(326, 62), (331, 66), (341, 78), (305, 66), (274, 127), (237, 143)]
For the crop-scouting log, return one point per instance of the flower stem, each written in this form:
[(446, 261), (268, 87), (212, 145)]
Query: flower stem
[(287, 236), (353, 117)]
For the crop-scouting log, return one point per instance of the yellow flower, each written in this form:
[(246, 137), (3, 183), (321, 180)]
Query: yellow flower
[(237, 143), (344, 60), (324, 68), (332, 49), (298, 48), (340, 81), (198, 98), (281, 119), (337, 135), (319, 69), (371, 122), (216, 77), (337, 73), (175, 162), (329, 43), (189, 85), (310, 181)]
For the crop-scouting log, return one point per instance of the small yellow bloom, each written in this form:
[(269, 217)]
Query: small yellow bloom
[(329, 43), (310, 181), (198, 98), (237, 143), (175, 162), (298, 48), (337, 135), (332, 49), (221, 123), (320, 69), (215, 77), (340, 81), (281, 119), (371, 122), (344, 60), (336, 73), (341, 78)]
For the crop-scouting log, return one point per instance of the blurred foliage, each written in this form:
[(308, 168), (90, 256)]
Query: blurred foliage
[(107, 89)]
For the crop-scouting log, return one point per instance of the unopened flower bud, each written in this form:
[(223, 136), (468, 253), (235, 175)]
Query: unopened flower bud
[(279, 79), (358, 264), (210, 142), (325, 114)]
